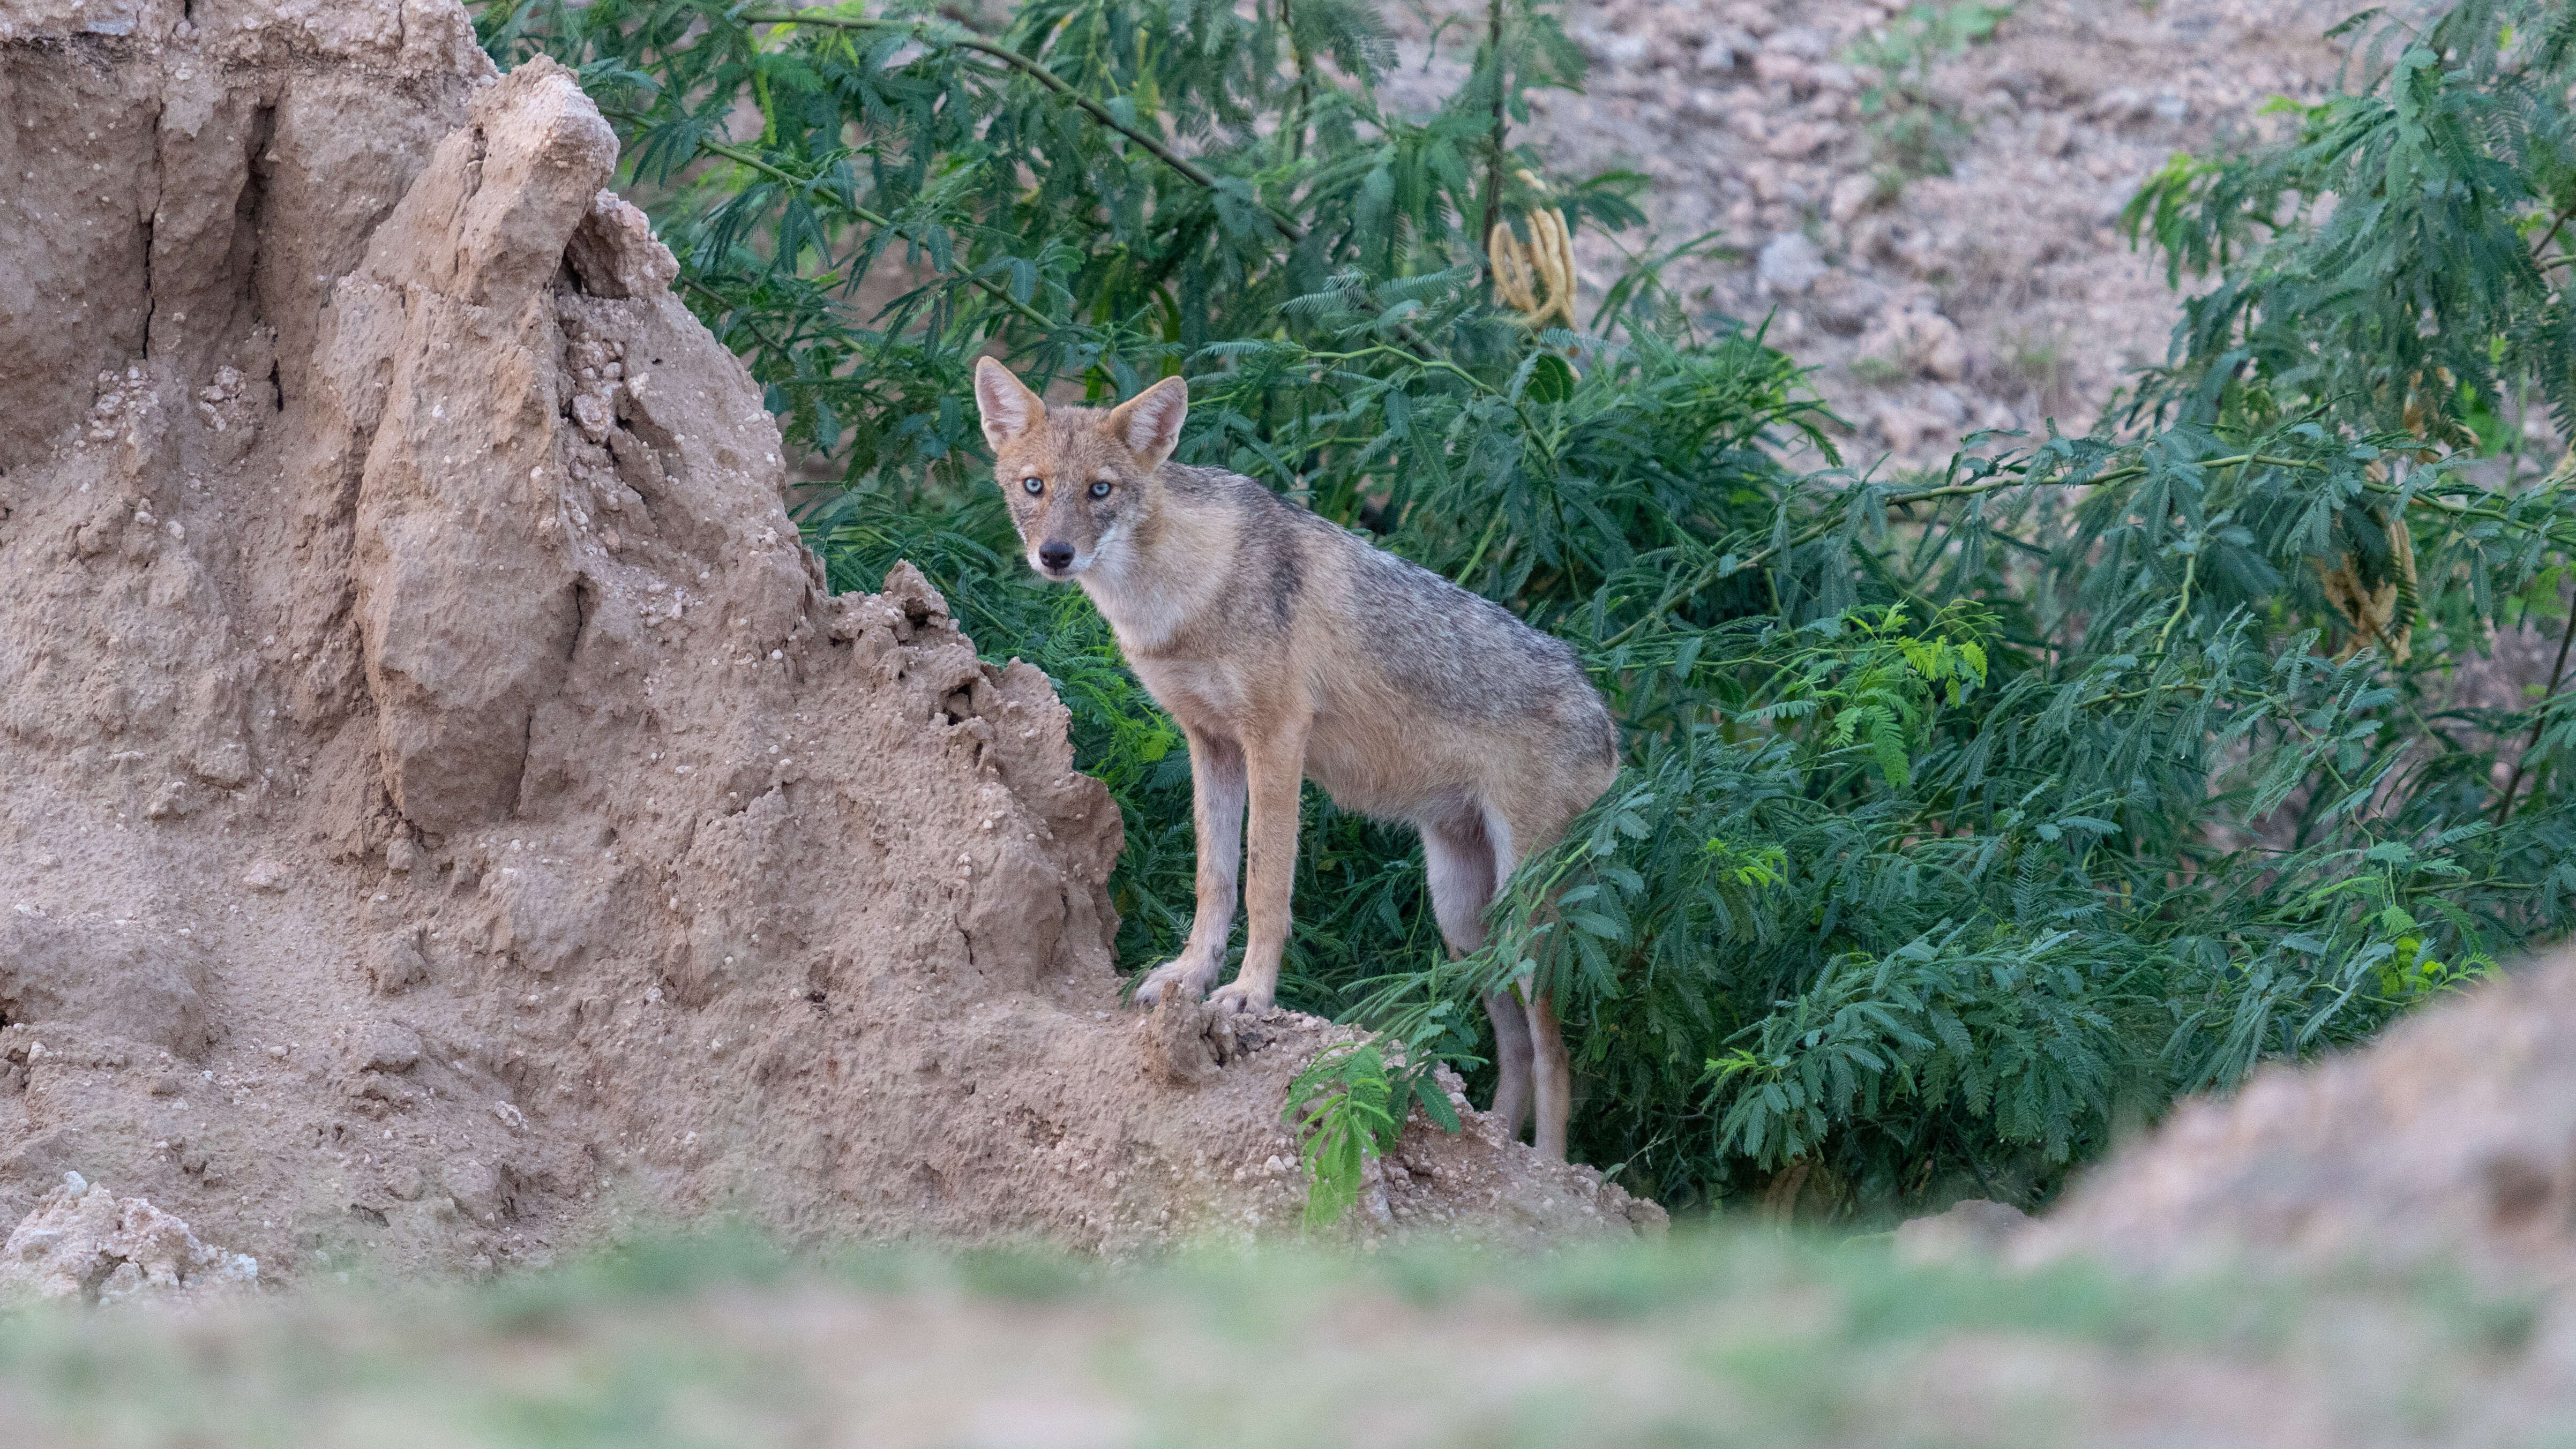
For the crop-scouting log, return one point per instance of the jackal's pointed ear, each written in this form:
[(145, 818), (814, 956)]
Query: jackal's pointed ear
[(1150, 422), (1009, 408)]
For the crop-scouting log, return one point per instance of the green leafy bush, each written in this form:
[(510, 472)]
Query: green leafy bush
[(1966, 816), (2401, 261)]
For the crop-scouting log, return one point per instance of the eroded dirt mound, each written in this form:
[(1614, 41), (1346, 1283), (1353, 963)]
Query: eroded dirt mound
[(2453, 1139), (445, 814)]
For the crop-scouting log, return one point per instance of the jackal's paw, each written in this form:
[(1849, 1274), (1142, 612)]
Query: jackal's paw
[(1150, 991), (1235, 998)]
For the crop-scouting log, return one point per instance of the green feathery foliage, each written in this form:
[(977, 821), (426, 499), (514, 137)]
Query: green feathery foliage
[(2402, 261), (1348, 1105), (1966, 816)]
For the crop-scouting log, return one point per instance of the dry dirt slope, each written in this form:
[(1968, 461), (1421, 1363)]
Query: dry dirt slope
[(444, 814), (2449, 1141), (2001, 294)]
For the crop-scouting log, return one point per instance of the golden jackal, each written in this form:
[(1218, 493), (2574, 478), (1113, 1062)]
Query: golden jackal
[(1289, 649)]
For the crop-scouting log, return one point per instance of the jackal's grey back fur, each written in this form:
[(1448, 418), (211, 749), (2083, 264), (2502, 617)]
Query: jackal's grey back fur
[(1461, 654), (1469, 656)]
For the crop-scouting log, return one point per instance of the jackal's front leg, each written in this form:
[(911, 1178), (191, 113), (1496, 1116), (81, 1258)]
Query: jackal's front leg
[(1275, 768), (1216, 809)]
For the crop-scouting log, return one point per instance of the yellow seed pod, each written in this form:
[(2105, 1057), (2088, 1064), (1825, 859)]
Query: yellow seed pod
[(2424, 417), (1534, 278), (1513, 275), (1554, 261), (2384, 616)]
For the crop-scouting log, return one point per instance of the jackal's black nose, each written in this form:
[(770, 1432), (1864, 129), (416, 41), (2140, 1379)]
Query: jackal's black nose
[(1055, 555)]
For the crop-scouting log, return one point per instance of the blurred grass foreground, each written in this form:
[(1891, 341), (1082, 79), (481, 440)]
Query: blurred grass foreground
[(1715, 1337)]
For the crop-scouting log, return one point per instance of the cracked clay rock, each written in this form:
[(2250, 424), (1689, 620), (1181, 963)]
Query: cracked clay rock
[(84, 1241)]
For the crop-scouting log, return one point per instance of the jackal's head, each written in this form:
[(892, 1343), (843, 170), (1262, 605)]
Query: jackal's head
[(1079, 480)]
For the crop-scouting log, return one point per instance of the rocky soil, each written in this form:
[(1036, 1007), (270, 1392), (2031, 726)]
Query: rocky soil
[(1998, 296), (446, 819)]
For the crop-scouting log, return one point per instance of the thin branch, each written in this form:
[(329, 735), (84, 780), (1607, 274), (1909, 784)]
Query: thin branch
[(2557, 673), (1820, 528), (1993, 485), (729, 305), (2551, 235), (995, 289), (965, 39), (1495, 142), (2464, 510)]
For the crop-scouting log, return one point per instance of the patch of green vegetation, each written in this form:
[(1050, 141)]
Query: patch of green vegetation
[(2402, 260), (1913, 131), (1879, 371), (1348, 1107)]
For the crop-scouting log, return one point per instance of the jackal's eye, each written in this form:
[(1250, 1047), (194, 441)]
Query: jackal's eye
[(1033, 485), (1100, 490)]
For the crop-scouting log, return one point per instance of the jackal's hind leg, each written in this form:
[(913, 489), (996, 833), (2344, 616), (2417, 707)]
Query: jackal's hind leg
[(1458, 859), (1551, 1074), (1537, 819), (1216, 810), (1511, 1060)]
